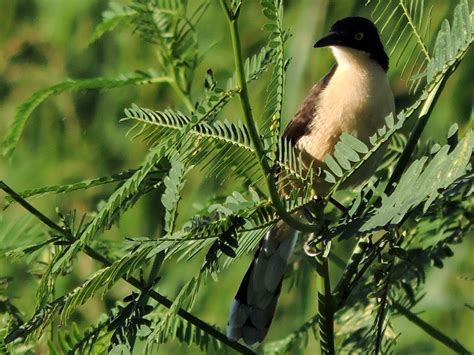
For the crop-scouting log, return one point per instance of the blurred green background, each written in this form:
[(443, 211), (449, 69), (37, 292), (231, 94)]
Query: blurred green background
[(78, 136)]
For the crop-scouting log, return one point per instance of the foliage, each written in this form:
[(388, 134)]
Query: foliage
[(24, 111), (404, 221), (407, 24)]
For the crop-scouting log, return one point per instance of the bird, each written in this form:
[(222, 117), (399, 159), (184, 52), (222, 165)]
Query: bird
[(353, 97)]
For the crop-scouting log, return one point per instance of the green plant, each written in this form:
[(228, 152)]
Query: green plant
[(404, 219)]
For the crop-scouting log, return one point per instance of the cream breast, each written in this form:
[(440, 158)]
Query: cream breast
[(356, 100)]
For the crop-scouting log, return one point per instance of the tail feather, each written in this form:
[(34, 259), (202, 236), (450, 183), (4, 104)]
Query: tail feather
[(254, 304)]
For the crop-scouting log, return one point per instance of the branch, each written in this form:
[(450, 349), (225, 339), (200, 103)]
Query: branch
[(80, 185), (430, 330), (131, 280)]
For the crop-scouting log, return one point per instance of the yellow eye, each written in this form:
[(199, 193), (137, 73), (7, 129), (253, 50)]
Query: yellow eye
[(359, 36)]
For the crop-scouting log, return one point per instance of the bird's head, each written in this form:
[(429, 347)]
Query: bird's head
[(353, 38)]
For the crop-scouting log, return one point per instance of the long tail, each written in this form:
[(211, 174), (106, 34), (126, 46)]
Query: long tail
[(254, 304)]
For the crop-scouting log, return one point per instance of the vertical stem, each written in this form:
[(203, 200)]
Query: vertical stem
[(54, 323), (254, 135), (152, 278), (342, 289), (325, 307), (182, 95), (382, 311), (244, 97)]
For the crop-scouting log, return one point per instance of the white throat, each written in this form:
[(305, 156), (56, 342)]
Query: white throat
[(346, 56)]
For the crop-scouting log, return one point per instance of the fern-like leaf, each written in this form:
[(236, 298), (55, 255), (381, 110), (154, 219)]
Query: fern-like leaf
[(452, 42), (113, 206), (273, 10), (35, 325), (81, 185), (104, 279), (421, 183), (293, 171), (228, 141), (166, 23), (64, 341), (19, 234), (411, 22), (24, 111), (184, 300), (407, 24), (114, 16), (254, 67), (174, 182)]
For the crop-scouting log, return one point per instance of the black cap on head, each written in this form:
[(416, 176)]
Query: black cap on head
[(358, 33)]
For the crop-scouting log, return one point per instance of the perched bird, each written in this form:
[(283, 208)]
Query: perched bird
[(354, 97)]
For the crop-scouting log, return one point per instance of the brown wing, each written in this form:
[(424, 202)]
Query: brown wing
[(300, 124)]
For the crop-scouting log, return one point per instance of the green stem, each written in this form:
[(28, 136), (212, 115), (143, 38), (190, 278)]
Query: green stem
[(424, 115), (430, 330), (355, 269), (155, 268), (254, 135), (342, 289), (81, 185), (131, 280), (182, 95), (382, 312), (325, 307)]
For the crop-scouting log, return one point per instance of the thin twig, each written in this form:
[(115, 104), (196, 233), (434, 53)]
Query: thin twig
[(352, 274), (80, 185), (338, 205), (429, 329), (423, 118), (382, 312)]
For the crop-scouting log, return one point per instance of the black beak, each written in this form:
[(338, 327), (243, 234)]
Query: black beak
[(332, 39)]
